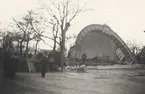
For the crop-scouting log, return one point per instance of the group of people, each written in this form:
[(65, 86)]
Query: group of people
[(82, 64)]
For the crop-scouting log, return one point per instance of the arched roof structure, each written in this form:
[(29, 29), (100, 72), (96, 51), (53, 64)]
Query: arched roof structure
[(106, 30)]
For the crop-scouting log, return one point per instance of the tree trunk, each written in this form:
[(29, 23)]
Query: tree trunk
[(27, 49), (62, 50), (54, 45), (36, 47), (21, 48)]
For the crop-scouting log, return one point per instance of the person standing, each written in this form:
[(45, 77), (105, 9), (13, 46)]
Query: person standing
[(84, 57), (44, 65)]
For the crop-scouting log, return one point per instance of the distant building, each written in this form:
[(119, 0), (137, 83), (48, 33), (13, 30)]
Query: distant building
[(99, 41)]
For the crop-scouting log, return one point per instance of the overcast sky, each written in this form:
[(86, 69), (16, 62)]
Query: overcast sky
[(125, 17)]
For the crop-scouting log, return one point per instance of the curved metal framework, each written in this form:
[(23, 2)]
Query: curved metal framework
[(110, 33)]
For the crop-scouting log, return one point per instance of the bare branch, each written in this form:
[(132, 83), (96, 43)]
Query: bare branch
[(56, 31), (75, 14), (53, 30), (51, 39), (24, 30), (58, 7)]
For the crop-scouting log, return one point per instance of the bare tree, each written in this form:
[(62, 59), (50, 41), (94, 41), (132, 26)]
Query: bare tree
[(25, 33), (135, 49), (62, 14), (7, 41), (55, 36), (39, 31), (37, 38)]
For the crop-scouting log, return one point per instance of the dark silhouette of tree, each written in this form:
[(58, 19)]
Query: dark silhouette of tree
[(22, 33), (26, 32), (7, 42)]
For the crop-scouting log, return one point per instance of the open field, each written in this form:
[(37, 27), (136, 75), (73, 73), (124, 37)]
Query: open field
[(93, 82)]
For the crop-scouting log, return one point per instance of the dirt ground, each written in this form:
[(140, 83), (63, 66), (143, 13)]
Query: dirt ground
[(93, 82)]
